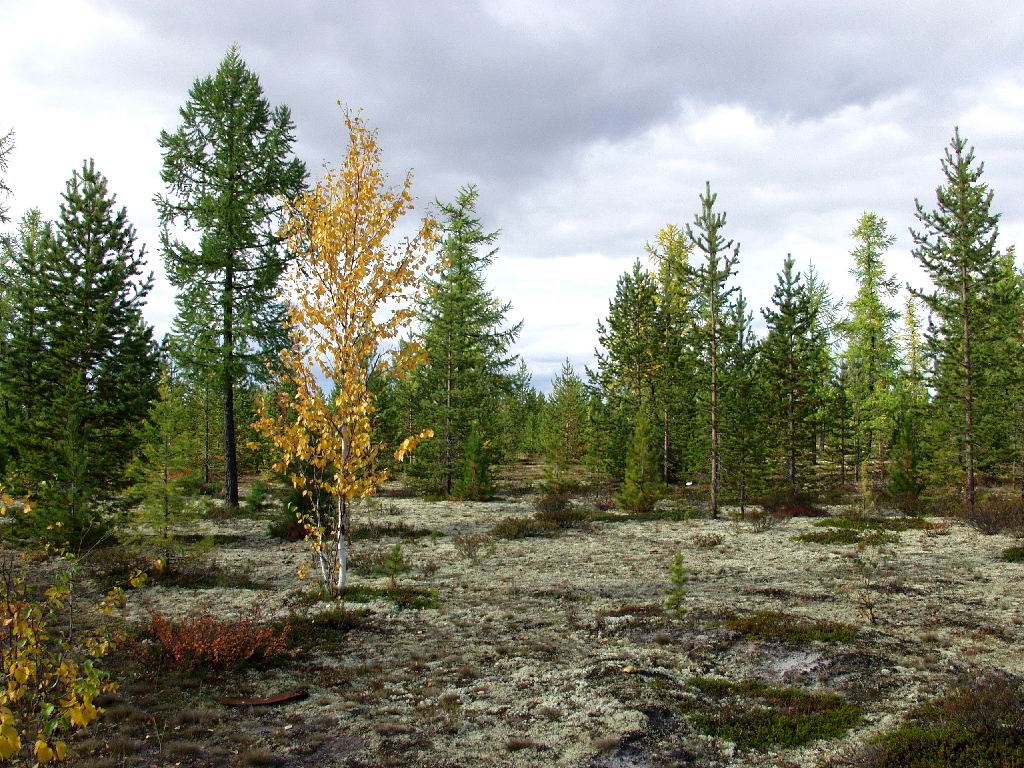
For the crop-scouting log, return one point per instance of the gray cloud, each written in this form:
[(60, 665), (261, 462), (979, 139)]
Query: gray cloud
[(586, 128)]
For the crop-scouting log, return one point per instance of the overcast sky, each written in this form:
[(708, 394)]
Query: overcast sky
[(586, 126)]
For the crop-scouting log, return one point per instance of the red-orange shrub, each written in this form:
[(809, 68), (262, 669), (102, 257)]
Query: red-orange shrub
[(201, 639)]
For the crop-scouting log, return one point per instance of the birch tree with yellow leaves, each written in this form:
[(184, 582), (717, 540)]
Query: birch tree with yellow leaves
[(351, 292)]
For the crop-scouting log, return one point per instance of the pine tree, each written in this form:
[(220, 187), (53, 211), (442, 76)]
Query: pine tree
[(871, 355), (466, 339), (565, 420), (720, 259), (89, 359), (227, 168), (642, 487), (956, 245)]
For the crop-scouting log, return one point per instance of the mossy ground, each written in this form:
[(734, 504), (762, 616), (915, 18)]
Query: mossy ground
[(557, 650)]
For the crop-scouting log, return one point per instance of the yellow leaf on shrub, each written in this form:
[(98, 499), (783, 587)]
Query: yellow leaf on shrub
[(43, 752)]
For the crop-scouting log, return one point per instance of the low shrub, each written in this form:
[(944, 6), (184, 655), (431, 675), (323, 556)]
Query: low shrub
[(783, 503), (758, 716), (376, 531), (203, 640), (996, 513), (978, 722), (541, 524), (790, 629), (287, 526), (830, 536), (473, 546), (1013, 555)]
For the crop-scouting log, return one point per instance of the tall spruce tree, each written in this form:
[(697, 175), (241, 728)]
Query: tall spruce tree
[(956, 244), (466, 337), (789, 370), (871, 356), (88, 358), (720, 257), (742, 405), (227, 168), (628, 364)]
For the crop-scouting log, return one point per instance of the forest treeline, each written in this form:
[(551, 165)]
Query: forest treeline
[(914, 404)]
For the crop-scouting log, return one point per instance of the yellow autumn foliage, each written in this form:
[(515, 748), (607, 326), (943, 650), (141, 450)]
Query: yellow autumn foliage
[(351, 293)]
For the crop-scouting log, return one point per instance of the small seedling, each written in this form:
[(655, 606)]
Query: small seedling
[(395, 565), (676, 593)]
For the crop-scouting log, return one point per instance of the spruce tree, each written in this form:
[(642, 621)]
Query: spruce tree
[(720, 257), (956, 244), (21, 295), (565, 420), (164, 470), (466, 338), (871, 356), (629, 363), (742, 405), (88, 359), (642, 487), (227, 168), (789, 374)]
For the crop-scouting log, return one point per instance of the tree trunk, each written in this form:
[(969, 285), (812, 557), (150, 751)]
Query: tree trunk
[(230, 456)]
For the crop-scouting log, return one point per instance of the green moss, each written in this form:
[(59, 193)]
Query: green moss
[(792, 630), (1013, 555), (977, 724), (758, 716), (830, 536)]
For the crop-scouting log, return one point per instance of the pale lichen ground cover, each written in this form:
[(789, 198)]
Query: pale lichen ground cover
[(554, 651)]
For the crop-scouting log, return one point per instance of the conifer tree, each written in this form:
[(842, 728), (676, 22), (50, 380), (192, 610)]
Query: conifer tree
[(164, 471), (21, 294), (676, 402), (956, 244), (742, 405), (565, 420), (789, 373), (720, 257), (92, 367), (871, 355), (466, 339), (642, 487), (6, 147), (227, 168), (629, 361)]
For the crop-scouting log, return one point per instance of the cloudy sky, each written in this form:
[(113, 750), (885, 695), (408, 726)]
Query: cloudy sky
[(586, 126)]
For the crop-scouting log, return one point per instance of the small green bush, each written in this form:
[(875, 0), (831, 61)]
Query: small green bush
[(758, 716), (675, 596), (789, 629), (977, 723)]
